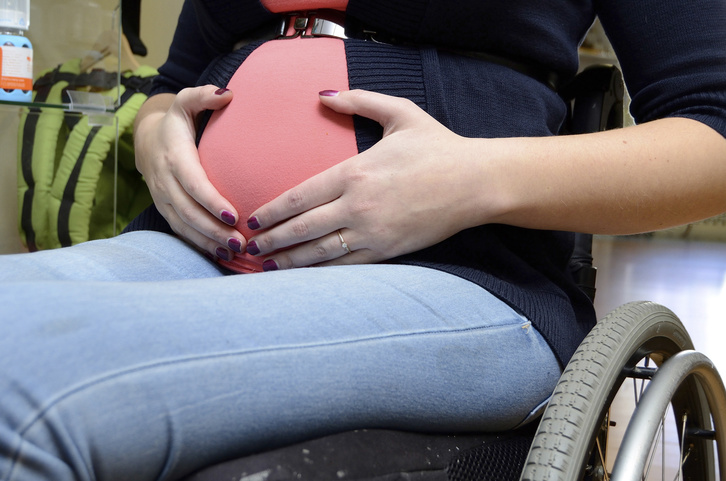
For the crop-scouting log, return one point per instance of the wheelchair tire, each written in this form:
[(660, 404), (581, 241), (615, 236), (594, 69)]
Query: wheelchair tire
[(564, 446)]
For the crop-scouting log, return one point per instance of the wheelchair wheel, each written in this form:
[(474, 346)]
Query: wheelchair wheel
[(631, 344)]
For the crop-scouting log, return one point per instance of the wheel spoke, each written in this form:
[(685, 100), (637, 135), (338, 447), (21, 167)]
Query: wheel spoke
[(654, 447), (681, 459), (606, 476)]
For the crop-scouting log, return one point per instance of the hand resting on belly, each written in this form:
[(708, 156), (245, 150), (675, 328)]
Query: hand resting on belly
[(275, 133)]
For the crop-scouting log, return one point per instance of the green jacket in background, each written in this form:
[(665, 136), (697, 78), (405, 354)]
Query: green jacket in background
[(66, 168)]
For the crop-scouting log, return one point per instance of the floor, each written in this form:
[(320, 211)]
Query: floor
[(689, 278)]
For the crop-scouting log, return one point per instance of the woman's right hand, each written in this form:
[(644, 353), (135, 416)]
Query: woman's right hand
[(166, 154)]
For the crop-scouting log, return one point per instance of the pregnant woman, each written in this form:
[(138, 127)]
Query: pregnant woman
[(399, 201)]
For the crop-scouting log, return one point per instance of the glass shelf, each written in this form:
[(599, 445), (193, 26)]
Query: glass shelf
[(60, 106), (11, 103)]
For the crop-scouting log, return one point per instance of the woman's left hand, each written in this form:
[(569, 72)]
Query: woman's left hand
[(411, 190)]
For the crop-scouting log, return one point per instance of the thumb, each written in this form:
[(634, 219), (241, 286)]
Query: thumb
[(208, 97), (384, 109)]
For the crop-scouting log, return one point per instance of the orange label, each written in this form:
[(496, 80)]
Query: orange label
[(16, 68), (16, 83)]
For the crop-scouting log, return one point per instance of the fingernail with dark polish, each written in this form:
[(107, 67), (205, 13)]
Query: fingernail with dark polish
[(221, 91), (252, 248), (223, 254), (269, 265), (209, 256), (234, 244), (329, 93), (253, 223), (228, 217)]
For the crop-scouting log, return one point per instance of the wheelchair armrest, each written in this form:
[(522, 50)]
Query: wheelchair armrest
[(595, 98)]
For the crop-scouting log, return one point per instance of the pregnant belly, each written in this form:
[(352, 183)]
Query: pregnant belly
[(275, 133)]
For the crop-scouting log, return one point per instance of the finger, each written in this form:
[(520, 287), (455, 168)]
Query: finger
[(193, 179), (193, 101), (384, 109), (306, 227), (362, 256), (192, 222), (316, 191), (181, 158), (315, 252), (185, 163), (225, 251)]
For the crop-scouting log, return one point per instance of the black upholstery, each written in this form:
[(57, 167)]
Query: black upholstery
[(378, 455)]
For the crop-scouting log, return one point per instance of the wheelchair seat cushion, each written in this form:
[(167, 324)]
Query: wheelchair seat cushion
[(380, 455)]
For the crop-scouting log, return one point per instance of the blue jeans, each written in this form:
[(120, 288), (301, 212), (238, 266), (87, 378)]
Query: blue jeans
[(135, 358)]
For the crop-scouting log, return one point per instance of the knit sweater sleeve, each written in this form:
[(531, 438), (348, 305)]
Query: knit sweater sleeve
[(673, 57)]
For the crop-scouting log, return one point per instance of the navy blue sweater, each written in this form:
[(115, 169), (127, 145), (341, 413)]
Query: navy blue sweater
[(673, 58)]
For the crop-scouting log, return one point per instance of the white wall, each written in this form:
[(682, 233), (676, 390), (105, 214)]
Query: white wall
[(158, 20), (9, 238)]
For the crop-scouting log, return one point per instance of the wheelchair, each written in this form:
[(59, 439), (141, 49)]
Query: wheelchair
[(641, 343)]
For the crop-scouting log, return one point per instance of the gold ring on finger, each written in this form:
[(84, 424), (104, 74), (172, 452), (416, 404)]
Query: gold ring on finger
[(343, 244)]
